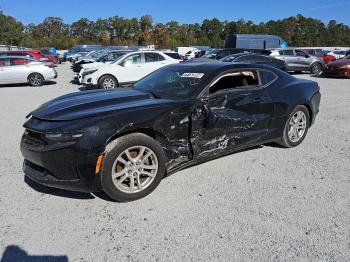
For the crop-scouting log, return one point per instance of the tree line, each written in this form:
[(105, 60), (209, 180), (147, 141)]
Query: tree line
[(53, 31)]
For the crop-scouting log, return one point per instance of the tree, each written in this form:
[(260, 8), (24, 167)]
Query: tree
[(11, 31)]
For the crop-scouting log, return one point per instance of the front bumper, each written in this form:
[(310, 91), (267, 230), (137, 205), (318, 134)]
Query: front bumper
[(64, 166), (42, 176)]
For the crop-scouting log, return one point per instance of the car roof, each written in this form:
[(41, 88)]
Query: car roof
[(217, 66)]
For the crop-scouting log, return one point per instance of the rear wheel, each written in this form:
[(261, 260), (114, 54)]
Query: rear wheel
[(132, 168), (316, 69), (108, 82), (296, 127), (36, 79)]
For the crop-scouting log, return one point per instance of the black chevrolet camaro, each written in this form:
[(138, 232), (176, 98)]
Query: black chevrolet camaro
[(124, 141)]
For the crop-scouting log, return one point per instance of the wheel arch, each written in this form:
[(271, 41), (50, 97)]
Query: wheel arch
[(146, 131), (309, 109)]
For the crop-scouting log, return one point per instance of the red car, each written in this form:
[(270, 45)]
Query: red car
[(328, 59), (338, 68), (46, 54), (26, 53)]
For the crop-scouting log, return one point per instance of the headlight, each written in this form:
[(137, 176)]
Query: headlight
[(89, 72), (28, 117), (345, 67), (62, 137)]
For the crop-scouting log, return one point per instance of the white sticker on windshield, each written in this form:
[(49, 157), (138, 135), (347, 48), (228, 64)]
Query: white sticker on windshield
[(193, 75)]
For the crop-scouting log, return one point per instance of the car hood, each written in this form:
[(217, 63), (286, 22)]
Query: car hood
[(92, 103), (340, 63), (91, 65)]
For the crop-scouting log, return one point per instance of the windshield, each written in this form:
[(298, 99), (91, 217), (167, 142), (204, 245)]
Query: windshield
[(118, 56), (229, 58), (212, 54), (171, 83), (96, 54)]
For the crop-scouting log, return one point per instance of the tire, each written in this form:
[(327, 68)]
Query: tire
[(126, 178), (287, 140), (316, 69), (107, 82), (36, 79)]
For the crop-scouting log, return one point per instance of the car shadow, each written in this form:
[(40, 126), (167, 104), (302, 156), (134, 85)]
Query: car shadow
[(14, 253), (87, 88), (47, 83), (65, 193)]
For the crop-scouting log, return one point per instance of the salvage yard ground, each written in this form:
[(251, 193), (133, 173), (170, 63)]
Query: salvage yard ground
[(263, 204)]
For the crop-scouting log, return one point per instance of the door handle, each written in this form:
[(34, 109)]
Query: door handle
[(258, 100)]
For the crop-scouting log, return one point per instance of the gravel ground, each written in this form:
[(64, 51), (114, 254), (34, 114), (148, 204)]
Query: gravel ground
[(263, 204)]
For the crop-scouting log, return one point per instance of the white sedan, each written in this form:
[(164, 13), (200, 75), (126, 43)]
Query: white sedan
[(18, 69), (126, 70)]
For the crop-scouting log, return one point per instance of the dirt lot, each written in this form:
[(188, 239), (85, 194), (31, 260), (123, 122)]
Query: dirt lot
[(264, 204)]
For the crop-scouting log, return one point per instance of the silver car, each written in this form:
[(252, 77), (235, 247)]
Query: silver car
[(16, 70), (298, 60)]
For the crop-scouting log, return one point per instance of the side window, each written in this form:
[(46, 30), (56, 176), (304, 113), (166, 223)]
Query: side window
[(19, 61), (300, 53), (238, 79), (287, 52), (266, 77), (4, 62), (133, 59), (153, 57)]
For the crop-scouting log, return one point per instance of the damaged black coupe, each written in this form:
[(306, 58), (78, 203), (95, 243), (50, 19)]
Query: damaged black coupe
[(124, 141)]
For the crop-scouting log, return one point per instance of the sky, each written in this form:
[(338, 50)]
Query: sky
[(183, 11)]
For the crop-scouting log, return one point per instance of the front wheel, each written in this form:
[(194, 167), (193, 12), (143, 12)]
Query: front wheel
[(36, 79), (296, 127), (132, 168), (108, 82)]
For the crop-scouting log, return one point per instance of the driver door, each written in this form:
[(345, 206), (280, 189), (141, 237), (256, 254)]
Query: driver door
[(235, 111), (130, 69)]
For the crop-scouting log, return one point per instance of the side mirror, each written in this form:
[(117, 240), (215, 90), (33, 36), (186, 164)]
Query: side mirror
[(125, 63)]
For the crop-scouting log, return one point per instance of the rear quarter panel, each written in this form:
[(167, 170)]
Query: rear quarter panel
[(287, 93)]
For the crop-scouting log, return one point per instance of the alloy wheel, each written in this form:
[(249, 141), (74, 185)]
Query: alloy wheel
[(317, 69), (108, 83), (36, 80), (134, 169), (297, 126)]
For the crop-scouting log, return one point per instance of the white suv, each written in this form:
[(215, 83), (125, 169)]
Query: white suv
[(126, 70)]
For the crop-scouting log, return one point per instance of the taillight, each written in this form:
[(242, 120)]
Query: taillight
[(318, 87), (51, 65)]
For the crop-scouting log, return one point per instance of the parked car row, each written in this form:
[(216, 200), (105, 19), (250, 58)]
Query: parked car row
[(120, 68)]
